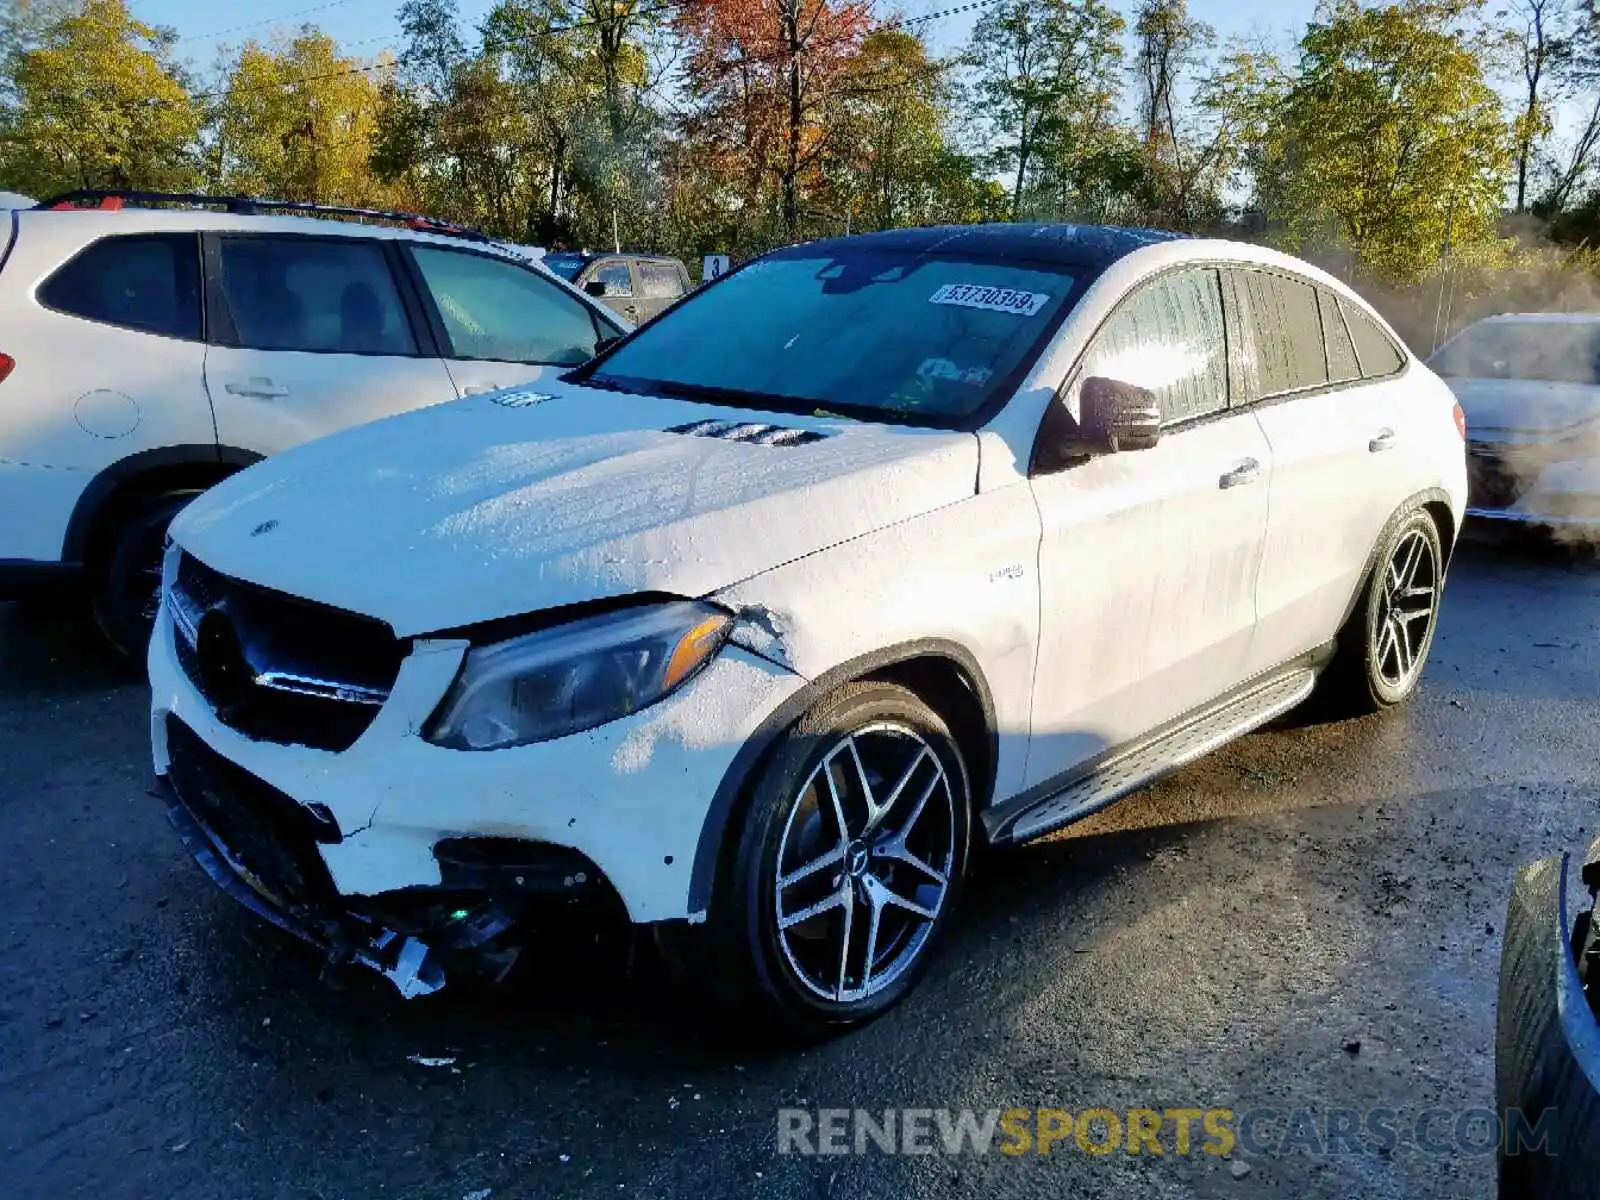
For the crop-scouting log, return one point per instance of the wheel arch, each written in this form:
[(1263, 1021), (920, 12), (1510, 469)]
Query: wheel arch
[(1436, 502), (944, 674), (113, 493)]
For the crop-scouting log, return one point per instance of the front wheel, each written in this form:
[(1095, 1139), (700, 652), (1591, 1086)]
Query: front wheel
[(1385, 644), (128, 590), (848, 862)]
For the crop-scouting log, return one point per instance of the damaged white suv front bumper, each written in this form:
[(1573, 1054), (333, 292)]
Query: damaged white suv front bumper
[(395, 850)]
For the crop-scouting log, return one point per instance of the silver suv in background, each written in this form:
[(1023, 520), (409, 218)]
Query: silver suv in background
[(1530, 386)]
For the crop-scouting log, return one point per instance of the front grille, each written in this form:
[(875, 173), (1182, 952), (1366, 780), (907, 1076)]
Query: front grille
[(267, 836), (1490, 482), (277, 668)]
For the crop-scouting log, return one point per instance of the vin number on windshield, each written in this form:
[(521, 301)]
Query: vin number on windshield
[(994, 299)]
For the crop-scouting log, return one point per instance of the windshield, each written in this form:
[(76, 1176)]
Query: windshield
[(1548, 351), (565, 265), (922, 340)]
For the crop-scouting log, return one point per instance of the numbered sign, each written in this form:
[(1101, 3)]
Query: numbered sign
[(715, 266)]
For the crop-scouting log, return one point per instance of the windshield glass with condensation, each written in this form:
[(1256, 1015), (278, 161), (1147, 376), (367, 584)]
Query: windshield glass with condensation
[(902, 337), (1546, 351)]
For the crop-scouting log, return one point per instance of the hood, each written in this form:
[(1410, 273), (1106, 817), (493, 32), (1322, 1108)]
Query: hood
[(533, 498), (1524, 409)]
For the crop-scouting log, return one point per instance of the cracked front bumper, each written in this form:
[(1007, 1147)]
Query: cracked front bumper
[(631, 797)]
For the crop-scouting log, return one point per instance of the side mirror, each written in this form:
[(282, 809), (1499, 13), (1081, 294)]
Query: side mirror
[(595, 287), (1115, 416)]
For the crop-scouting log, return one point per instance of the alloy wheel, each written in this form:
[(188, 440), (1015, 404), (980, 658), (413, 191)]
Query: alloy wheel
[(1408, 603), (865, 862)]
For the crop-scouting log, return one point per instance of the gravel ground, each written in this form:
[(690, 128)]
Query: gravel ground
[(1308, 919)]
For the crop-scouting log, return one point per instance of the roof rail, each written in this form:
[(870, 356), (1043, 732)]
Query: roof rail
[(113, 201)]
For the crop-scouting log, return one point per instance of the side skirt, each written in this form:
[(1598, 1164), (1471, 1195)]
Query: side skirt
[(1125, 769)]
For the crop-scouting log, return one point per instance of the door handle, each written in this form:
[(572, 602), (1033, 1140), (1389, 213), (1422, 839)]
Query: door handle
[(1247, 471), (1384, 441), (474, 389), (258, 388)]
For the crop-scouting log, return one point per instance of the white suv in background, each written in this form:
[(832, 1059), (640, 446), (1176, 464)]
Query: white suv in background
[(149, 347), (872, 548)]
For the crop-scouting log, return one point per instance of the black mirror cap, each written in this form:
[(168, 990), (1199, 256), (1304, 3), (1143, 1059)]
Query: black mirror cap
[(1117, 416)]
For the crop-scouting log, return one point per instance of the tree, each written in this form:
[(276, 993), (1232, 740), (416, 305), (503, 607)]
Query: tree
[(1171, 44), (98, 103), (1044, 74), (1541, 45), (761, 82), (296, 121), (1390, 136)]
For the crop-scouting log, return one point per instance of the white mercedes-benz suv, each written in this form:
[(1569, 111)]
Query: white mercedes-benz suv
[(871, 551)]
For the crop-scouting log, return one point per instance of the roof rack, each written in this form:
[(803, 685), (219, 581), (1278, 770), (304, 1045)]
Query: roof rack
[(114, 201)]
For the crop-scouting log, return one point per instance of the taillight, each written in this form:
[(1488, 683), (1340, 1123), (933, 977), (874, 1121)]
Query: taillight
[(1460, 415), (7, 363)]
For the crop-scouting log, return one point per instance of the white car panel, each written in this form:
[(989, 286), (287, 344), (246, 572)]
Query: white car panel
[(577, 496), (1334, 487), (1147, 574), (269, 400)]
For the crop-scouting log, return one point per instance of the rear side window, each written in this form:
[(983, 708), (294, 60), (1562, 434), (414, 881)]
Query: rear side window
[(615, 278), (1377, 353), (1168, 337), (497, 310), (1281, 320), (660, 281), (1342, 363), (147, 282), (326, 295)]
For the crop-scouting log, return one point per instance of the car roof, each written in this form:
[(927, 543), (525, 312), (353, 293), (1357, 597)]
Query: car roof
[(1070, 245), (93, 222)]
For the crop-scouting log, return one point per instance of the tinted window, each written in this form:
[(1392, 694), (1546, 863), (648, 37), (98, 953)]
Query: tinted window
[(615, 277), (493, 309), (1286, 329), (149, 283), (1377, 353), (1168, 337), (660, 281), (314, 294), (1549, 351), (885, 334), (1342, 364)]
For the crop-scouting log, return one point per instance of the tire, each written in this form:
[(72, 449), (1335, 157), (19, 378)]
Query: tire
[(757, 954), (1383, 648), (127, 588)]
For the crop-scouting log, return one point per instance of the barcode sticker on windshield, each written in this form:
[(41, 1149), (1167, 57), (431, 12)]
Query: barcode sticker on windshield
[(994, 299)]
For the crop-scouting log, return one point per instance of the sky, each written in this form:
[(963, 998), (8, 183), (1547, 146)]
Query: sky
[(365, 27)]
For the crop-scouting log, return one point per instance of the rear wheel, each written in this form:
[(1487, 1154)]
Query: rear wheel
[(847, 865), (127, 592), (1385, 644)]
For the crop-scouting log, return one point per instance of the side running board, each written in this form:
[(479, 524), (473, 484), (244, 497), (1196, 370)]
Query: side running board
[(1127, 770)]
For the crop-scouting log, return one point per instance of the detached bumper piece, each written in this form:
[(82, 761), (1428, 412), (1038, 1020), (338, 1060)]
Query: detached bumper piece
[(260, 846), (1547, 1045)]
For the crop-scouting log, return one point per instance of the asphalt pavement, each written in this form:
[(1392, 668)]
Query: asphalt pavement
[(1307, 921)]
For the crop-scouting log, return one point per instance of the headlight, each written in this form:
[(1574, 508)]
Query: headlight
[(573, 677)]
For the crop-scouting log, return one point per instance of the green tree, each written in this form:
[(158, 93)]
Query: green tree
[(1045, 81), (296, 121), (1180, 158), (97, 102), (1390, 136)]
